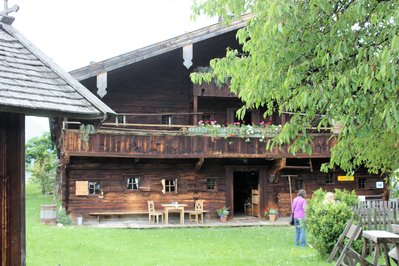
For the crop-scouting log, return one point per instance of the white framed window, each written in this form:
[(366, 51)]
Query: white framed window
[(94, 188), (133, 183), (120, 119), (169, 185)]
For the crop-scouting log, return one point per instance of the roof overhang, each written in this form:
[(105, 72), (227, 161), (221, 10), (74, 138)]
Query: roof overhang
[(158, 48)]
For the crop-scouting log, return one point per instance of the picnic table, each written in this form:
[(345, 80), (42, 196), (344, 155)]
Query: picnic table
[(379, 238)]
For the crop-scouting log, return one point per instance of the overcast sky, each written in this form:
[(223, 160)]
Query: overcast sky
[(73, 32)]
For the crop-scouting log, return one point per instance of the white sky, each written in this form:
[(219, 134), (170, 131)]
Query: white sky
[(73, 32)]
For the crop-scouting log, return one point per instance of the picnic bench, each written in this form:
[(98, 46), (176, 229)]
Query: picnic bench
[(116, 213)]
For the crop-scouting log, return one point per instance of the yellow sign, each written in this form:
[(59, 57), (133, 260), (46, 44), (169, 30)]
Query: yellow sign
[(346, 178)]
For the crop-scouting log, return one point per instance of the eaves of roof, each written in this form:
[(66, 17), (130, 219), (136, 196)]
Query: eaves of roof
[(32, 83), (157, 49)]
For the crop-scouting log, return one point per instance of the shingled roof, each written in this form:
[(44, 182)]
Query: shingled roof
[(158, 48), (32, 83)]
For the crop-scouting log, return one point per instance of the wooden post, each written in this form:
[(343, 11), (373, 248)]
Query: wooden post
[(12, 189), (289, 184), (195, 118)]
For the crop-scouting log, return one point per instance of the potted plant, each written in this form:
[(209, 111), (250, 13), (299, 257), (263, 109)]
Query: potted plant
[(223, 213), (272, 214)]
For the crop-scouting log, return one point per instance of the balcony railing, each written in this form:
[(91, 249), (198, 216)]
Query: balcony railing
[(185, 142)]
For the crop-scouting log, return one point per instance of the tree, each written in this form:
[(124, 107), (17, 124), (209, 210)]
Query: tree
[(41, 161), (326, 62)]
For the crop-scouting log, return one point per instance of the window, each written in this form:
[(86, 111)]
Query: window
[(120, 119), (133, 183), (169, 185), (94, 188), (361, 182), (211, 183), (298, 184), (166, 120), (329, 178)]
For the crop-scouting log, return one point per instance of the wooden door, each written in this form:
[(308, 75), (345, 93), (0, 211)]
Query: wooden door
[(229, 171)]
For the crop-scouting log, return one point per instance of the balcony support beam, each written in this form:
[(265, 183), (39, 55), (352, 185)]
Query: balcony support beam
[(199, 164)]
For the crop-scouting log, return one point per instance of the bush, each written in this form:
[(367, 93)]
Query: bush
[(63, 217), (325, 222)]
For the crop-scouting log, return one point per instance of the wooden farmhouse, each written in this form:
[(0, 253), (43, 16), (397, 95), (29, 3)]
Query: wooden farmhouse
[(160, 149), (30, 84)]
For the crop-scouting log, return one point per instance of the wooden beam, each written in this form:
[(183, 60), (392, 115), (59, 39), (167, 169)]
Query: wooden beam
[(311, 165), (12, 189), (199, 164), (282, 164)]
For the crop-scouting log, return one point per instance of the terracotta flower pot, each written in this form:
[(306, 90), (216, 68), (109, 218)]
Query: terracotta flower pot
[(223, 219), (272, 217)]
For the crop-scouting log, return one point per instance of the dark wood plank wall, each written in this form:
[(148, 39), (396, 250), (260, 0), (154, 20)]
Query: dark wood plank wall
[(212, 90), (12, 189), (112, 174), (279, 191), (172, 97), (160, 84), (217, 107)]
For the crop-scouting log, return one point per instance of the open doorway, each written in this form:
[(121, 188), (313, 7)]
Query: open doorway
[(243, 184)]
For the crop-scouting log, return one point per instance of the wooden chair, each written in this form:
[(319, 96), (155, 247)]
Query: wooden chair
[(393, 253), (198, 213), (347, 255), (153, 215)]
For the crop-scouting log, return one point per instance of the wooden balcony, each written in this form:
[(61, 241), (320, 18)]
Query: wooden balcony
[(180, 144)]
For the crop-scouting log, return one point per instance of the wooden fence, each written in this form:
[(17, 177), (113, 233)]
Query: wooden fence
[(377, 214)]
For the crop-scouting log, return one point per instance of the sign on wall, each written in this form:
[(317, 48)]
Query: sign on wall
[(345, 178), (379, 184)]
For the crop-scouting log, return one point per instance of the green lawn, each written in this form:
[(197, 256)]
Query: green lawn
[(50, 245)]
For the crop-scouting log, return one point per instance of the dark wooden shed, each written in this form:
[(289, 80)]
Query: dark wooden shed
[(30, 84)]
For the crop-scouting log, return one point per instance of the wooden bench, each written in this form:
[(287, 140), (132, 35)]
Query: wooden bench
[(116, 213)]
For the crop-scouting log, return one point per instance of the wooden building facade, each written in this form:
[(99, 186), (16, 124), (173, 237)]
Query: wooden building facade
[(155, 150), (31, 84)]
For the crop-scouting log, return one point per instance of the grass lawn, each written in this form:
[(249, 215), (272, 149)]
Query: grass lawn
[(50, 245)]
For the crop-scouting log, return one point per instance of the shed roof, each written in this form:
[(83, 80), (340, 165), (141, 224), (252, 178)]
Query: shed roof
[(32, 83), (157, 48)]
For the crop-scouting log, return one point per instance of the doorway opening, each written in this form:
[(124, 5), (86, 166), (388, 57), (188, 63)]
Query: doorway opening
[(243, 184)]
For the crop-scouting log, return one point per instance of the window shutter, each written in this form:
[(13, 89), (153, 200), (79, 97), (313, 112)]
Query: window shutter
[(82, 188), (163, 186)]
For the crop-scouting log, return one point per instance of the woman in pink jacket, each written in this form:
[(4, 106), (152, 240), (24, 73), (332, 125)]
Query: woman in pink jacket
[(298, 209)]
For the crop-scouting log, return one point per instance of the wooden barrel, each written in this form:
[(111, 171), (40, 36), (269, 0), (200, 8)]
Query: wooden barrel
[(48, 214)]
